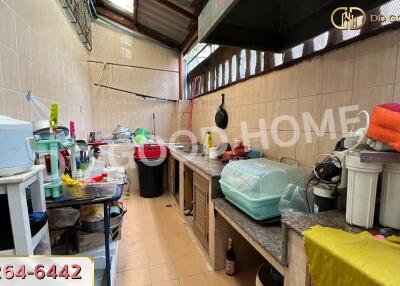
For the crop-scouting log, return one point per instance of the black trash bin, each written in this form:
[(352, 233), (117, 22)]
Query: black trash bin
[(150, 159)]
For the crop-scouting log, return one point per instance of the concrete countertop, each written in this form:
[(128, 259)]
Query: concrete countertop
[(270, 238), (334, 219), (213, 168)]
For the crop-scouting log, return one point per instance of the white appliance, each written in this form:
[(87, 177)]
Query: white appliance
[(16, 146), (362, 183), (389, 215)]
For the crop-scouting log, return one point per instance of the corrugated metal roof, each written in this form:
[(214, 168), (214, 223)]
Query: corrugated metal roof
[(165, 20), (124, 7), (185, 4)]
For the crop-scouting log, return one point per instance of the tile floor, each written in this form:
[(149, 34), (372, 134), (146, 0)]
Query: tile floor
[(157, 249)]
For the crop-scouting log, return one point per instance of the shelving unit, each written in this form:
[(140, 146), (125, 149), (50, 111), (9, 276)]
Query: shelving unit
[(15, 189), (77, 12)]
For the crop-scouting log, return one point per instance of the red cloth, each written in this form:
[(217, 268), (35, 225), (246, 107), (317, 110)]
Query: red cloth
[(385, 124)]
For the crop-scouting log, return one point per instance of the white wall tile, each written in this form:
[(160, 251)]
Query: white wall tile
[(375, 60), (7, 26), (9, 68)]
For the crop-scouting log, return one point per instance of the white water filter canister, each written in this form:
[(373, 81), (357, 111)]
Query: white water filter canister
[(362, 183), (389, 215)]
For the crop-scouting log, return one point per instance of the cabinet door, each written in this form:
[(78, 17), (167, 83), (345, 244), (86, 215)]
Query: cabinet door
[(200, 209)]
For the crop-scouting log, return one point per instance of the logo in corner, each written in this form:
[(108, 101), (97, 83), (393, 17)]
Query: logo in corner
[(348, 18)]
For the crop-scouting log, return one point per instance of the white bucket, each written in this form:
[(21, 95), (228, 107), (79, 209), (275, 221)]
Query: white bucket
[(389, 215), (361, 191)]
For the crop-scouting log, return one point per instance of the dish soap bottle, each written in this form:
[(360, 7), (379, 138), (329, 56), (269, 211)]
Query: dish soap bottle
[(207, 143), (230, 262)]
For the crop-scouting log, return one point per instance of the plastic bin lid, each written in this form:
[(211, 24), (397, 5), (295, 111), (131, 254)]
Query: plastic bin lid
[(260, 177)]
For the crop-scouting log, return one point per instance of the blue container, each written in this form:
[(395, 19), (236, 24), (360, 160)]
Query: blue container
[(256, 185)]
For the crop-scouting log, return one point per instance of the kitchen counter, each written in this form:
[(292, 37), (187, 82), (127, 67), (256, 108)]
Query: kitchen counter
[(269, 238), (334, 219), (213, 168)]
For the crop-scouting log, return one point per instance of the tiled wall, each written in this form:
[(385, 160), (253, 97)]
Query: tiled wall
[(111, 107), (365, 73), (39, 51)]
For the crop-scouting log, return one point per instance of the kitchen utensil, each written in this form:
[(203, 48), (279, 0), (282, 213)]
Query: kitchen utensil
[(192, 101), (82, 145), (98, 226), (72, 129), (154, 124), (51, 147), (142, 131), (16, 152), (213, 153), (221, 117), (226, 156), (122, 132), (140, 139), (92, 137), (256, 185), (42, 128), (54, 116)]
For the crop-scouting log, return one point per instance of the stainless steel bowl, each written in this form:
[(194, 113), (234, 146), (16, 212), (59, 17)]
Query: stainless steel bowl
[(122, 132)]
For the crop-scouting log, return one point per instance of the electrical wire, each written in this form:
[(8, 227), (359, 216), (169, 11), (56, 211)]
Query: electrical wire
[(361, 139)]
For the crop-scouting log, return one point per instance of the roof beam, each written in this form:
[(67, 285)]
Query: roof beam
[(190, 39), (198, 6), (177, 9), (122, 20), (135, 13)]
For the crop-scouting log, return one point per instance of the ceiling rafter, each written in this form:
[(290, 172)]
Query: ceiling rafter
[(116, 17), (122, 20), (190, 39), (135, 12), (177, 9), (134, 24)]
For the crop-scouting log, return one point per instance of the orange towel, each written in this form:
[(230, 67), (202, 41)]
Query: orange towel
[(385, 124)]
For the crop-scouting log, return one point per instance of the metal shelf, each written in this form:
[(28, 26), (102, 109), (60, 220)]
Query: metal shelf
[(77, 12)]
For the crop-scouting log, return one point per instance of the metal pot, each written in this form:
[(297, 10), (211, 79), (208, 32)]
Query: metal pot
[(98, 226), (122, 132)]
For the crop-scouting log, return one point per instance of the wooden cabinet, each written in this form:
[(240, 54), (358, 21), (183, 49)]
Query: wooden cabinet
[(171, 174), (200, 208), (297, 274)]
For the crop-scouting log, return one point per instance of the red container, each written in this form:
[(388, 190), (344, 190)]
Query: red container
[(151, 151)]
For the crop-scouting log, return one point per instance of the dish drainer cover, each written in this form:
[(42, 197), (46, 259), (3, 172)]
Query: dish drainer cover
[(256, 185)]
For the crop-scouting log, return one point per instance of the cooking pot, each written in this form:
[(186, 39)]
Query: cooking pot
[(122, 132)]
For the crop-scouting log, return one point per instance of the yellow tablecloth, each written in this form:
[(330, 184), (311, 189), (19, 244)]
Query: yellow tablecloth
[(339, 258)]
